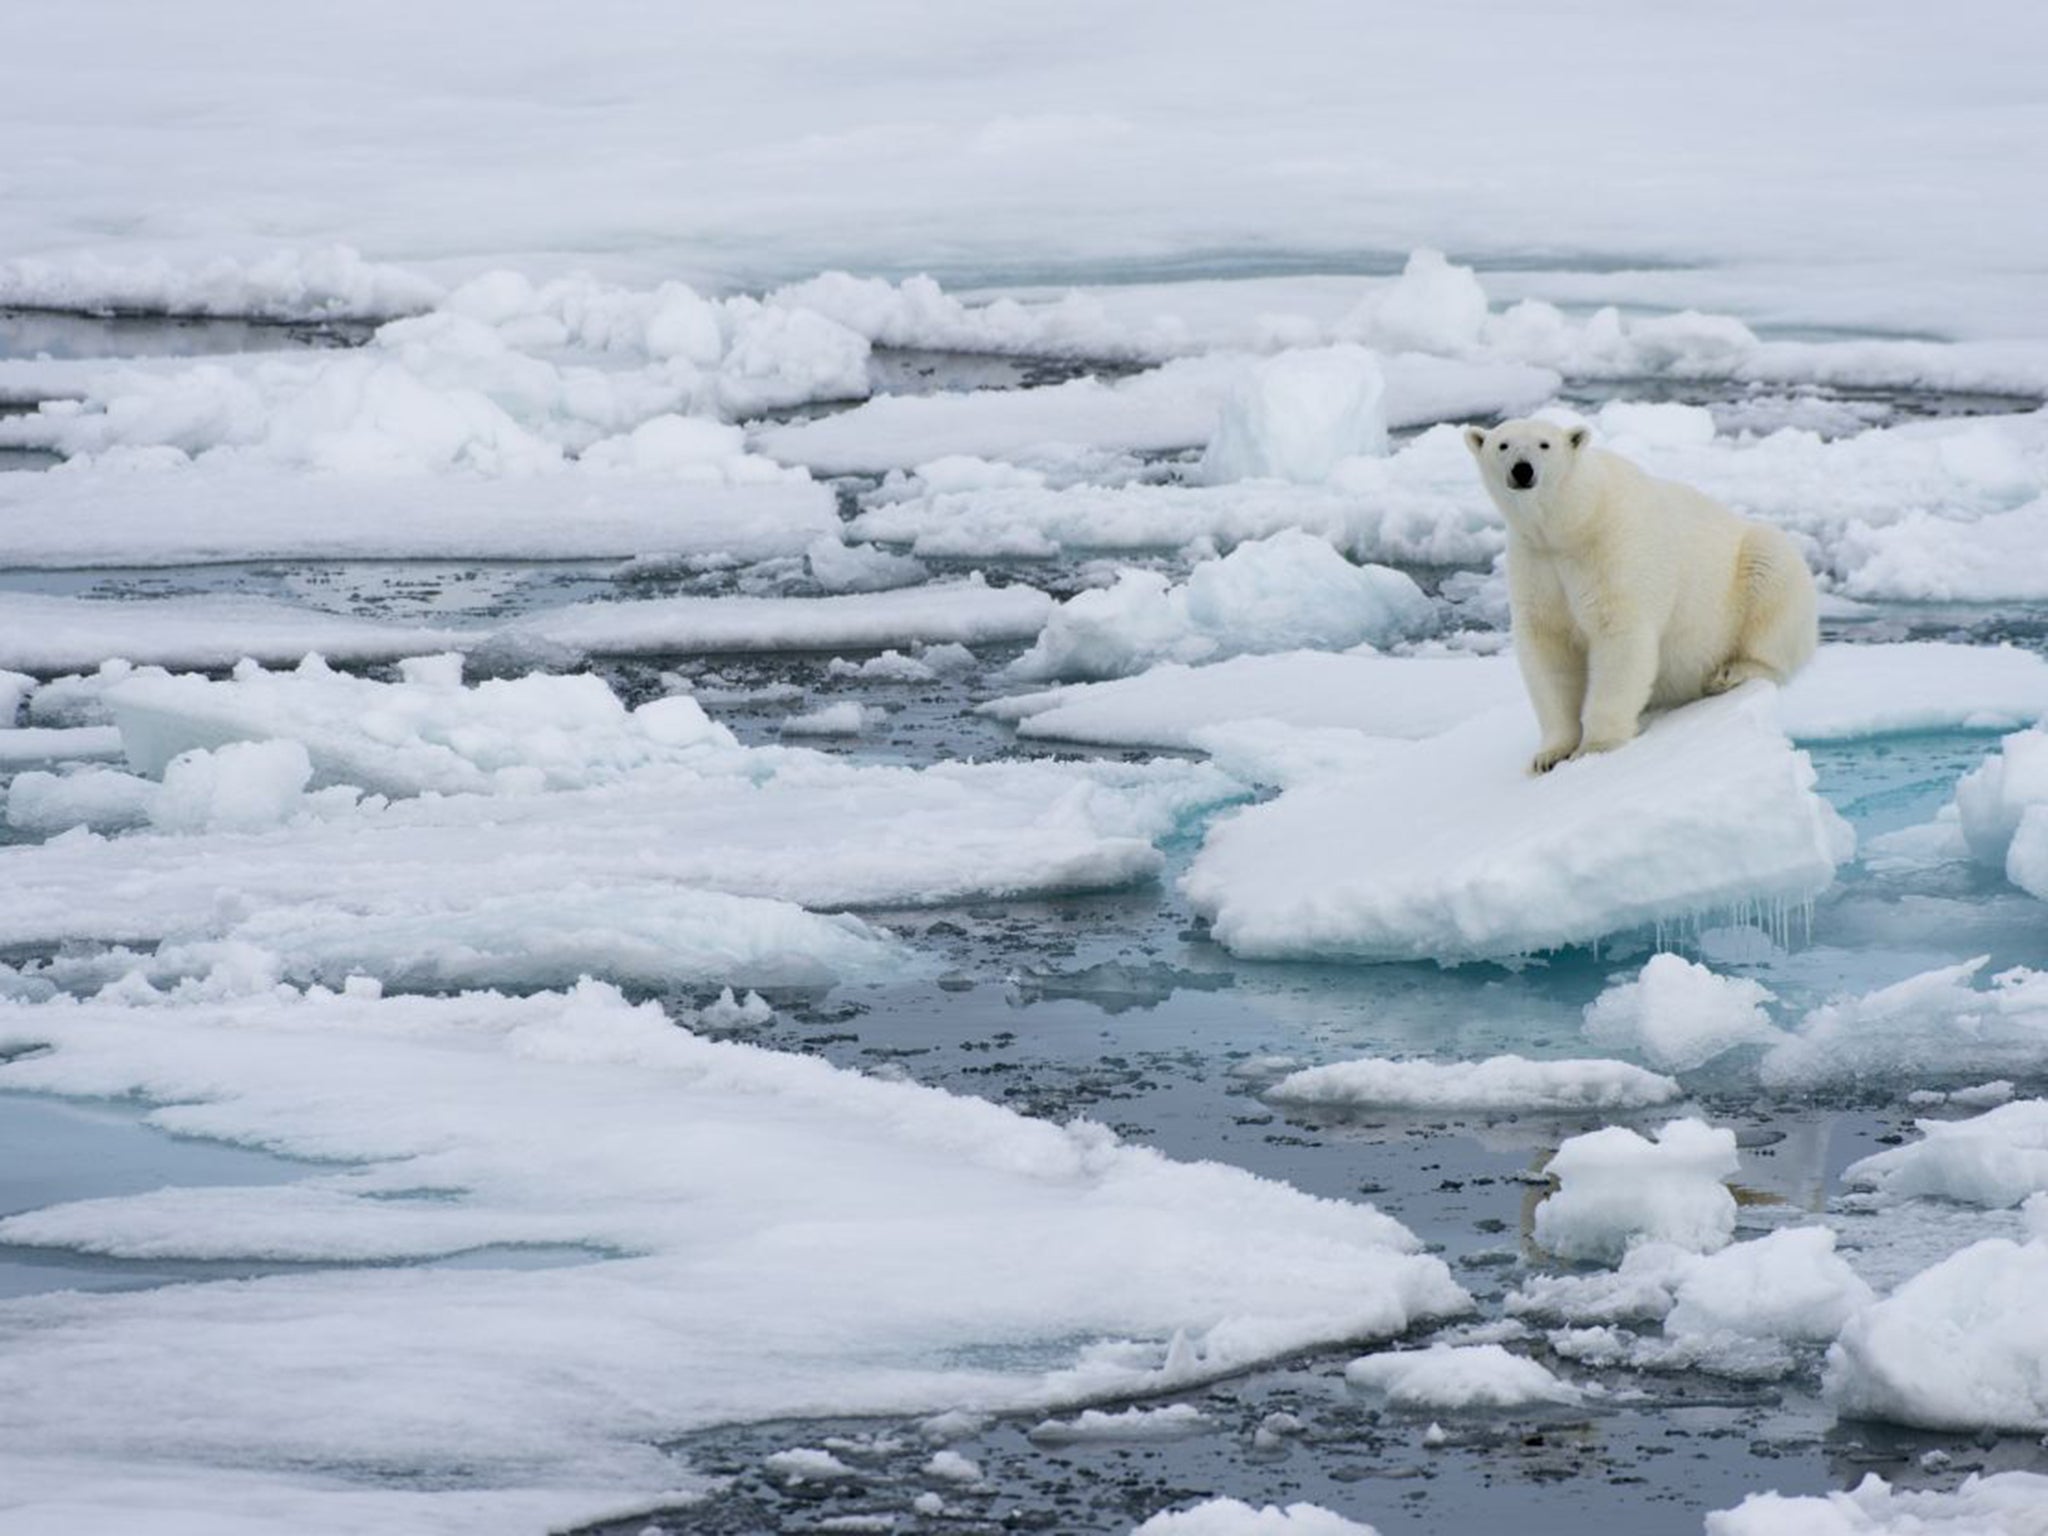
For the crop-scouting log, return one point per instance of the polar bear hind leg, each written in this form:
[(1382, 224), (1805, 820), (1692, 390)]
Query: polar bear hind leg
[(1780, 618)]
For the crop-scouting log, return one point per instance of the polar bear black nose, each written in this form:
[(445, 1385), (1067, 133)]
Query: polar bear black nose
[(1522, 475)]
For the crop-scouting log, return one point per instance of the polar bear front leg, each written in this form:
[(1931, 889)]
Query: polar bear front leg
[(1621, 669), (1554, 672)]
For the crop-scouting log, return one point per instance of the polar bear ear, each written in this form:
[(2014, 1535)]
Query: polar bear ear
[(1475, 438), (1577, 438)]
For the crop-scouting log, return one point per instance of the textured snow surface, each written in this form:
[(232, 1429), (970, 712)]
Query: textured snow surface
[(1447, 849), (717, 1188)]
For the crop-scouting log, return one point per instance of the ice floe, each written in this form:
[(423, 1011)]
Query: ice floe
[(1616, 1188), (1451, 1378), (1849, 691), (2001, 1504), (1447, 850), (1962, 1345), (2003, 806), (1499, 1083), (1275, 594), (712, 1185), (1234, 1517), (1935, 1026), (1678, 1014)]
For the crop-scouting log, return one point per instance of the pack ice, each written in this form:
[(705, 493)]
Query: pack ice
[(746, 1234), (1445, 849)]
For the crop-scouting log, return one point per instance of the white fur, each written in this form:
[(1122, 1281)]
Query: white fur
[(1628, 592)]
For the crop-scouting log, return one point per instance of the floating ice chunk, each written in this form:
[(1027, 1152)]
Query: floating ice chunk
[(684, 448), (71, 634), (2004, 809), (243, 786), (1849, 691), (106, 801), (1633, 427), (1789, 1285), (1169, 705), (40, 744), (2001, 1504), (330, 283), (843, 719), (1450, 851), (1616, 1187), (598, 1122), (957, 612), (1446, 1378), (952, 1467), (1297, 415), (1960, 1346), (633, 932), (889, 667), (1176, 1421), (1932, 1026), (1434, 306), (1273, 594), (1680, 1015), (1996, 1159), (1231, 1517), (242, 512), (424, 732), (793, 825), (1504, 1083), (1926, 557), (808, 1464), (1164, 409), (781, 357), (840, 567)]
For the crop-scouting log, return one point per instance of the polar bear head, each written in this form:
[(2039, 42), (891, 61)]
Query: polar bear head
[(1526, 464)]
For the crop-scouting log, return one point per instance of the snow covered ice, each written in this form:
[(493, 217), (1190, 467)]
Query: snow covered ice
[(762, 772)]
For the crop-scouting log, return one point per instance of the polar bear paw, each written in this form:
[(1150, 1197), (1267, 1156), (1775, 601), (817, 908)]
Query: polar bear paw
[(1551, 754)]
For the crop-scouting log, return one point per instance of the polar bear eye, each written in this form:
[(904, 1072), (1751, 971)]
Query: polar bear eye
[(1503, 447), (1544, 446)]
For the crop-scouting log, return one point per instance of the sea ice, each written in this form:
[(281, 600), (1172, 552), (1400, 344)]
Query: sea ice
[(1849, 691), (1960, 1346), (1679, 1015), (1446, 1378), (714, 1184), (953, 612), (2001, 1504), (1232, 1517), (1931, 1027), (50, 634), (2004, 810), (1996, 1159), (206, 513), (1277, 594), (1448, 850), (1500, 1083), (1616, 1187), (1297, 415)]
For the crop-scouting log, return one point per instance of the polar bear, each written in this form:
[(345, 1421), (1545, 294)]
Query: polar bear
[(1627, 592)]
